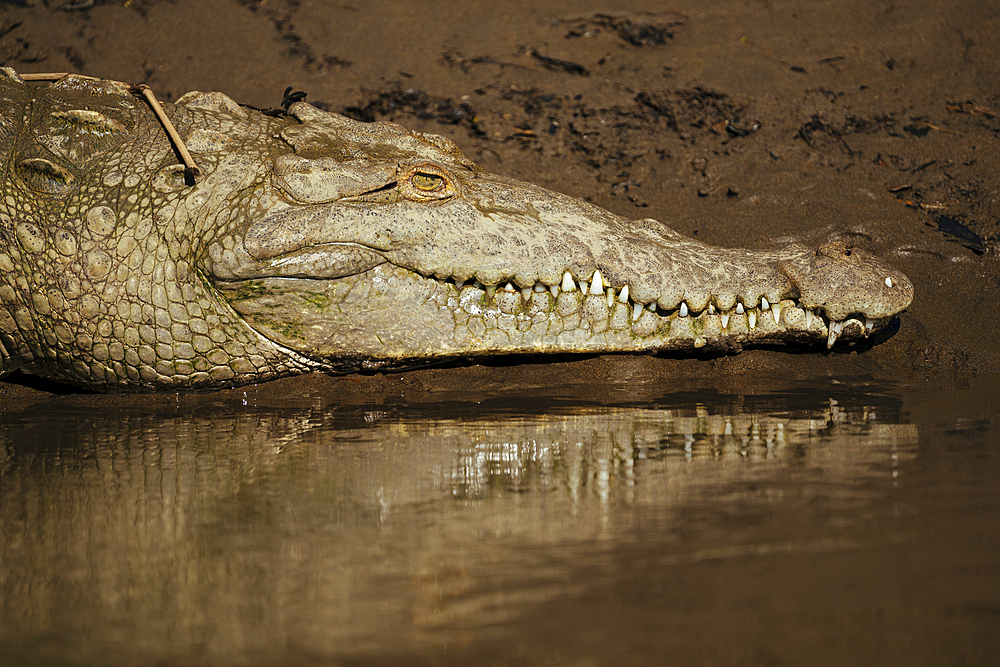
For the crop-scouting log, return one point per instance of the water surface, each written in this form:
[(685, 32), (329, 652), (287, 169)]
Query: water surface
[(818, 524)]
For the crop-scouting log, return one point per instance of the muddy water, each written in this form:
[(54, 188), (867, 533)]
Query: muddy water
[(822, 523)]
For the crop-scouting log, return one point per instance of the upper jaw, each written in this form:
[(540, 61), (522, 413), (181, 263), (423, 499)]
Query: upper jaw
[(537, 237), (515, 237), (727, 320)]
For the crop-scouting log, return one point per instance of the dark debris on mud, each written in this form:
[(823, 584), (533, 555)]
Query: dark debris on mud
[(636, 29), (614, 141), (398, 103)]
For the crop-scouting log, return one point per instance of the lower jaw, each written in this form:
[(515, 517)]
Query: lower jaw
[(389, 317)]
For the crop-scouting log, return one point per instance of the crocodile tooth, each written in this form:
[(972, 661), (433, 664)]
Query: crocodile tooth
[(764, 305), (752, 319), (597, 283), (809, 317), (509, 287), (459, 284), (888, 282), (835, 329), (637, 311), (540, 286), (526, 293), (711, 309), (739, 309), (490, 291), (583, 286), (567, 283), (611, 297), (776, 312), (554, 289), (869, 325), (725, 320), (623, 295), (684, 309), (478, 285)]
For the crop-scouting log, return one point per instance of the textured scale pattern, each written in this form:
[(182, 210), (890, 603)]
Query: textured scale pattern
[(106, 291)]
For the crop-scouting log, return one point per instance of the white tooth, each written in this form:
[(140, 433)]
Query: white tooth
[(869, 325), (459, 284), (637, 311), (567, 283), (540, 286), (611, 296), (752, 319), (776, 311), (508, 287), (490, 291), (555, 291), (597, 283), (764, 305), (478, 285), (888, 282), (739, 309), (809, 318), (725, 320), (684, 309), (623, 295), (711, 309), (583, 286), (835, 329), (526, 293)]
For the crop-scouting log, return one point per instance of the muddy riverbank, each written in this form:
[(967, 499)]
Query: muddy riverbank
[(739, 124)]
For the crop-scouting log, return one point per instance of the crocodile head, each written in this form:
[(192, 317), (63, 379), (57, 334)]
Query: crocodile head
[(313, 241)]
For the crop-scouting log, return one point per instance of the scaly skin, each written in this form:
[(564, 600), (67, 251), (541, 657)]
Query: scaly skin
[(314, 242)]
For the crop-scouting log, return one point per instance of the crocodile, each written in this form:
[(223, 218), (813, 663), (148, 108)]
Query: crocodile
[(311, 241)]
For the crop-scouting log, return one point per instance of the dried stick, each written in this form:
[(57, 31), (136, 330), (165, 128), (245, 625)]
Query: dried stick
[(45, 76), (189, 164)]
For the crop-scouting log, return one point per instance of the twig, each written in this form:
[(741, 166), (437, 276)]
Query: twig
[(46, 76), (189, 165)]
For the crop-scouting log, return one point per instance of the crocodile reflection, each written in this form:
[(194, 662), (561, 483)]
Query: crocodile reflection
[(603, 450), (316, 524), (374, 456)]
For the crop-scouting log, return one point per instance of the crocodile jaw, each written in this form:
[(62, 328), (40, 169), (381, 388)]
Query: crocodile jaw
[(505, 267), (418, 254), (393, 317), (355, 306)]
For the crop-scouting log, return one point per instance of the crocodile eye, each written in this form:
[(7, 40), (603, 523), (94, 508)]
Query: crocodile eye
[(426, 182)]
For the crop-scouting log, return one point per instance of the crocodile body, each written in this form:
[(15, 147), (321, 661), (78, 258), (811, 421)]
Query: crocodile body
[(310, 241)]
